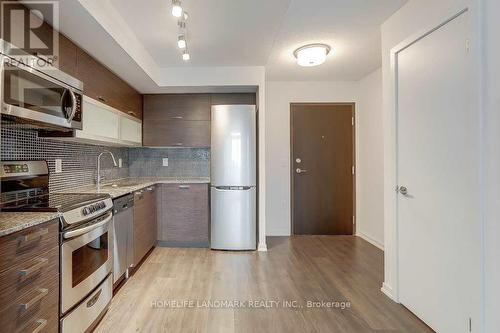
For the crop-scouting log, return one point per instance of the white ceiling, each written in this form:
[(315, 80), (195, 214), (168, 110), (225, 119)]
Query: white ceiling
[(220, 32), (137, 39)]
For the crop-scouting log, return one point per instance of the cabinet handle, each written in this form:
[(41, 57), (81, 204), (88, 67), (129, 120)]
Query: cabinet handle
[(178, 144), (177, 117), (42, 293), (150, 189), (34, 235), (41, 324), (35, 268), (102, 99), (131, 113), (184, 187)]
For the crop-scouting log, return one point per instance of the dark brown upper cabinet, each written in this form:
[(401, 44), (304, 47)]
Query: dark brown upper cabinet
[(101, 84), (176, 120), (177, 107), (231, 99), (183, 120)]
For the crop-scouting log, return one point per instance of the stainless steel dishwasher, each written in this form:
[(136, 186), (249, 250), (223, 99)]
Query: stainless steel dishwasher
[(123, 243)]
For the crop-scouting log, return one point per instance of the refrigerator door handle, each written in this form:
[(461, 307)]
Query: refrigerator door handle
[(233, 188)]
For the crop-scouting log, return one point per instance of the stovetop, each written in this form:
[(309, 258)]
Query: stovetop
[(53, 202)]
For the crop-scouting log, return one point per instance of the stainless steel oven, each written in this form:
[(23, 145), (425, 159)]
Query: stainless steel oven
[(37, 93), (86, 259)]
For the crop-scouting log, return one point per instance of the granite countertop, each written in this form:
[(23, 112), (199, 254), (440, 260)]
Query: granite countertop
[(11, 222), (130, 185)]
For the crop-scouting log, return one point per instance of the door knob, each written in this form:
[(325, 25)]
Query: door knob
[(403, 190), (299, 170)]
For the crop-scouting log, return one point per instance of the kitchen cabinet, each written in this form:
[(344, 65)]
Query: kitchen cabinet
[(103, 85), (67, 56), (145, 224), (177, 134), (180, 120), (183, 120), (183, 215), (102, 125), (232, 99), (29, 279)]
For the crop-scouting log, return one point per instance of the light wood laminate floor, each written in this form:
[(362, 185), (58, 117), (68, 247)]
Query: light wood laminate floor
[(295, 269)]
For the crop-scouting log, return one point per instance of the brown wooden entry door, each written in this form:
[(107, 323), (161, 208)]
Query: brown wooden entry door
[(322, 169)]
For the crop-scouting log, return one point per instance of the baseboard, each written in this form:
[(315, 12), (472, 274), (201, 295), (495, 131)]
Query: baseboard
[(387, 290), (262, 247), (277, 233), (370, 240)]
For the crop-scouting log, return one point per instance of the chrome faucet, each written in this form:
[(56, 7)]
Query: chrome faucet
[(99, 178)]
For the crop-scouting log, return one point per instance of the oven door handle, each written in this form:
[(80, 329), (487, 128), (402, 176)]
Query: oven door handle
[(78, 232)]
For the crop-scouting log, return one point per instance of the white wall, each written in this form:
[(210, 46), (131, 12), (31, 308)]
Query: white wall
[(370, 160), (491, 163), (279, 95)]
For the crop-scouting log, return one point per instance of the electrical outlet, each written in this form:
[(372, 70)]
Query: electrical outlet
[(120, 163), (58, 165), (165, 161)]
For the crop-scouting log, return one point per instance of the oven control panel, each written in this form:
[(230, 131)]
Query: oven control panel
[(87, 212), (94, 208)]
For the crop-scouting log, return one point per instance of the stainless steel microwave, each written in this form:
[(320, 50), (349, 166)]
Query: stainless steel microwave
[(32, 91)]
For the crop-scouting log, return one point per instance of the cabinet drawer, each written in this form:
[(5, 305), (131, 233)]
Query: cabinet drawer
[(34, 273), (177, 107), (37, 308), (28, 243), (184, 213), (176, 133)]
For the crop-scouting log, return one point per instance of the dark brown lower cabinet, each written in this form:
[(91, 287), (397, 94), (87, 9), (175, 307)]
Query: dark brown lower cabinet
[(29, 279), (183, 215), (144, 222)]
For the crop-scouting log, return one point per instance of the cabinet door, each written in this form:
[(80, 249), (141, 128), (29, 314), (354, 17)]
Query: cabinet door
[(144, 223), (184, 214), (141, 216), (176, 107), (232, 99), (103, 85), (99, 123), (67, 56), (130, 130), (176, 133)]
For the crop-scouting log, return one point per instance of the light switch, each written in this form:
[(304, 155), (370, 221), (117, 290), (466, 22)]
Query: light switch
[(165, 161), (58, 165), (120, 163)]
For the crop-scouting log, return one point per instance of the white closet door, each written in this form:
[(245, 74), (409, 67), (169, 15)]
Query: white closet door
[(438, 163)]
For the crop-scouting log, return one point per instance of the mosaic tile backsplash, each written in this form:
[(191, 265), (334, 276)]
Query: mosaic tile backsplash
[(79, 160), (182, 162)]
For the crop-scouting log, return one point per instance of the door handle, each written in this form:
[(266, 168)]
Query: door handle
[(299, 170), (402, 189)]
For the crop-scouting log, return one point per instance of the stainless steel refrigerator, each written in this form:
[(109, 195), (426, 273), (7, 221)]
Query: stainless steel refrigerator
[(233, 177)]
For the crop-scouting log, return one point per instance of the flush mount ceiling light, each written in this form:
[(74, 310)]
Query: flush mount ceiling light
[(181, 42), (311, 54), (176, 8)]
